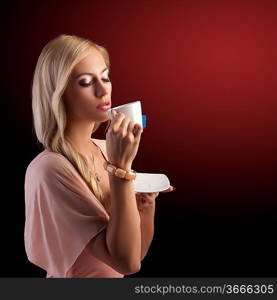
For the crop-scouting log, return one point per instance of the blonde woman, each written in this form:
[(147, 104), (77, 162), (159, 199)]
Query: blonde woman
[(82, 218)]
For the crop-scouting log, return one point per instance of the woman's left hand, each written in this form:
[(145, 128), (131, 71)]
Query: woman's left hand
[(145, 200)]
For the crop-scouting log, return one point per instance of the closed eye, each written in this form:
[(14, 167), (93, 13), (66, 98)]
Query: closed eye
[(86, 84)]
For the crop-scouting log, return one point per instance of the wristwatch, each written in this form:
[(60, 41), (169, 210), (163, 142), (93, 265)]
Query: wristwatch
[(127, 175)]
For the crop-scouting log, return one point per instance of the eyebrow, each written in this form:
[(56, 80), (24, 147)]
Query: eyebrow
[(89, 73)]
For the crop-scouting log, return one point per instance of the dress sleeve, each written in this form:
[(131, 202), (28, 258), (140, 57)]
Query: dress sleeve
[(61, 214)]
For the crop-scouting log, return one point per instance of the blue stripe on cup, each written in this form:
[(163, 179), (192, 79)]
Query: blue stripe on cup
[(143, 121)]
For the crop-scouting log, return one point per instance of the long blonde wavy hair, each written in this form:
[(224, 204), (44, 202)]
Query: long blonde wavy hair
[(53, 68)]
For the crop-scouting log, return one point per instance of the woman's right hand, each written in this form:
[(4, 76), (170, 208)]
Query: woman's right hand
[(122, 140)]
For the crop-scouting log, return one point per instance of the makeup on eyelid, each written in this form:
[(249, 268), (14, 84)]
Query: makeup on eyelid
[(86, 81)]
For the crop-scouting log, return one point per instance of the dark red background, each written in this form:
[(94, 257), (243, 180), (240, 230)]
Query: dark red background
[(205, 72)]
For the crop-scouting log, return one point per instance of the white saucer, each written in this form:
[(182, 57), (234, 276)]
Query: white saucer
[(151, 183)]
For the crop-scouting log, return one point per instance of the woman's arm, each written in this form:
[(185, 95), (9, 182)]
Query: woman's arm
[(147, 228), (123, 230), (119, 244)]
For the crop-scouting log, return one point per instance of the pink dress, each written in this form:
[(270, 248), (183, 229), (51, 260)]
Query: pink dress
[(62, 216)]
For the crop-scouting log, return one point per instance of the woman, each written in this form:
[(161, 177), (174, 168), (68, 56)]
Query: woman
[(83, 219)]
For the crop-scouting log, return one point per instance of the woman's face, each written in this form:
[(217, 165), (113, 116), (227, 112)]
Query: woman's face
[(88, 87)]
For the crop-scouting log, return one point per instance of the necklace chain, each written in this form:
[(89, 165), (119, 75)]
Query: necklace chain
[(96, 175)]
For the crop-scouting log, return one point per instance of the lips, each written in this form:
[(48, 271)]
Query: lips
[(104, 106)]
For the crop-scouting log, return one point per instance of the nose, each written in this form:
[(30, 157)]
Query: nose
[(101, 89)]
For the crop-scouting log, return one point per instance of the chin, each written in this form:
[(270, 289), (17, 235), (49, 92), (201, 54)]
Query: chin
[(103, 118)]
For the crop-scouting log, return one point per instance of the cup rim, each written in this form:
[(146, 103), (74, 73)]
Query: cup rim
[(127, 104)]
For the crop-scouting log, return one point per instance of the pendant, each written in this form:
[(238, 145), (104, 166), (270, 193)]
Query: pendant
[(98, 177)]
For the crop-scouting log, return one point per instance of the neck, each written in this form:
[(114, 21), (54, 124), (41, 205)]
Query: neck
[(79, 133)]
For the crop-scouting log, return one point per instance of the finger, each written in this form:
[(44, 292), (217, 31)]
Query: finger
[(137, 132), (116, 121), (130, 128), (124, 125), (170, 189), (114, 113), (149, 194), (144, 194)]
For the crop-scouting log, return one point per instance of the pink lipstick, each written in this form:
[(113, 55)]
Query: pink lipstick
[(104, 106)]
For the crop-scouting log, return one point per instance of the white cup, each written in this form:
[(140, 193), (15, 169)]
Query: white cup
[(132, 110)]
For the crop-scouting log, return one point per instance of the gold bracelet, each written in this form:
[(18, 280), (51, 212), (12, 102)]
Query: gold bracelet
[(127, 175)]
